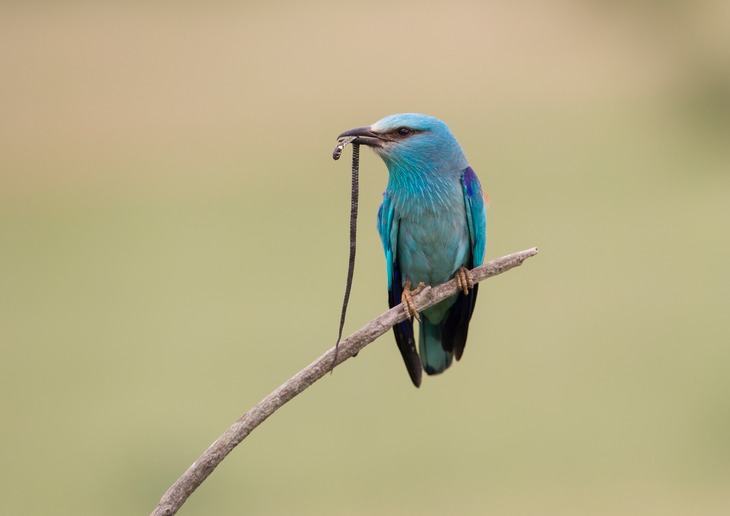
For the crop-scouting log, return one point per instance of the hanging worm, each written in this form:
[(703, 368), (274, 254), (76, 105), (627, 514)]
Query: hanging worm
[(353, 229)]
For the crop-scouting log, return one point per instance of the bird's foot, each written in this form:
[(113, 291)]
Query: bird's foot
[(464, 280), (407, 299)]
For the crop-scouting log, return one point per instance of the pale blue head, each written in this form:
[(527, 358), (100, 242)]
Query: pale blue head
[(411, 143)]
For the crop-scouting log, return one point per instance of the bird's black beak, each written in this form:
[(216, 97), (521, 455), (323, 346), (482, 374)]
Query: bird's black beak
[(363, 136)]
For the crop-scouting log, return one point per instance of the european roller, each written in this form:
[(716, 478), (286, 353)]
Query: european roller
[(432, 224)]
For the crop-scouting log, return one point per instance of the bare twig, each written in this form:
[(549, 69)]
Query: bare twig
[(196, 474)]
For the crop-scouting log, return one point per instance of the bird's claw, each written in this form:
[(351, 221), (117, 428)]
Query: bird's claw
[(407, 299), (464, 280)]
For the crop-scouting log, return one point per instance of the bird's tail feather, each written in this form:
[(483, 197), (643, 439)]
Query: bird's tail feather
[(434, 358)]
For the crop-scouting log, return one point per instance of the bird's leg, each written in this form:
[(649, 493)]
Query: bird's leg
[(464, 279), (407, 299)]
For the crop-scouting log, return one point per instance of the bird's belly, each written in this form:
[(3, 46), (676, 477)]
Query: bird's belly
[(431, 246)]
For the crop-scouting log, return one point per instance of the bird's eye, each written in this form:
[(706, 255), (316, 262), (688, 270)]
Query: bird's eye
[(404, 131)]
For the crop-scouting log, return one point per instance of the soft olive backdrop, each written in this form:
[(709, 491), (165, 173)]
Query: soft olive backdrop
[(173, 246)]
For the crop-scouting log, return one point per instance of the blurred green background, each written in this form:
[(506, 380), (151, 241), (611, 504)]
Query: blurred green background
[(173, 246)]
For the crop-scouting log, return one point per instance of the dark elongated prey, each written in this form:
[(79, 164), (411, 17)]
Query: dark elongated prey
[(341, 145), (353, 229)]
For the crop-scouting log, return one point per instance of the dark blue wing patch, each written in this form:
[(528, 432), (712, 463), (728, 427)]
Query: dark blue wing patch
[(404, 336)]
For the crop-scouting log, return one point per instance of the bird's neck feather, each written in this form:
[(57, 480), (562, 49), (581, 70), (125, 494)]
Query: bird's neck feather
[(425, 183)]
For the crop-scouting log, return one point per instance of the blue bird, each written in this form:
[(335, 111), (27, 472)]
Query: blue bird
[(433, 227)]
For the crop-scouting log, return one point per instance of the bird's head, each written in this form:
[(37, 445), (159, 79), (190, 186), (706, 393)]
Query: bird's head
[(411, 142)]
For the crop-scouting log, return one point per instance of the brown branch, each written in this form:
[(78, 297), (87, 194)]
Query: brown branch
[(204, 466)]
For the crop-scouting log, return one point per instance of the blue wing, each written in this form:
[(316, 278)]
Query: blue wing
[(476, 215), (456, 326), (388, 226), (388, 230)]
